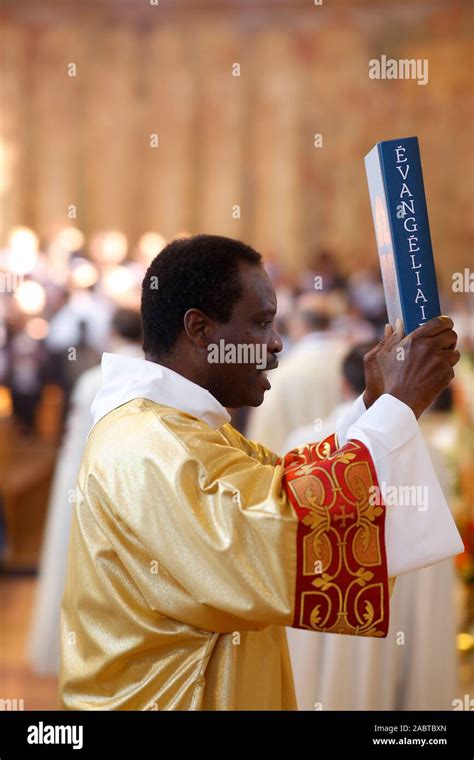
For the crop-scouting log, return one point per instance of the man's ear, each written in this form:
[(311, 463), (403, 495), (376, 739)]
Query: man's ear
[(198, 327)]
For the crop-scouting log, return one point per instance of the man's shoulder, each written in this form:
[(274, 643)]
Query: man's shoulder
[(139, 417), (144, 432)]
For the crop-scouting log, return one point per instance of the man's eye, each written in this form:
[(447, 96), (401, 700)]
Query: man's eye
[(265, 322)]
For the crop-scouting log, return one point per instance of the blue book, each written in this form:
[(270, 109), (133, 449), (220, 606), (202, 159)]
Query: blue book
[(402, 231)]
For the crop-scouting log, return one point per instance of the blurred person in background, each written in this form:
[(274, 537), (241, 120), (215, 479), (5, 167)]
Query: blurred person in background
[(352, 385), (124, 339), (366, 294), (26, 360), (418, 658), (80, 325), (351, 323), (307, 384), (323, 264), (285, 290)]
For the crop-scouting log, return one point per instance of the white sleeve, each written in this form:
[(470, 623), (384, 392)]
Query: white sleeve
[(419, 527), (352, 415)]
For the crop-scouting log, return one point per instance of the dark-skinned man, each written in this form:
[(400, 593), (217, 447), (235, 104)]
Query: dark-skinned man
[(191, 546)]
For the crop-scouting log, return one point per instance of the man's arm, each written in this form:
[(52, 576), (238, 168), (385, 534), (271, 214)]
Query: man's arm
[(419, 528), (247, 545)]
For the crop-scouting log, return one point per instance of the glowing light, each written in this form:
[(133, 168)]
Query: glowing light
[(109, 247), (465, 641), (37, 328), (31, 297), (84, 274), (69, 239), (118, 281), (6, 406), (23, 250), (150, 245)]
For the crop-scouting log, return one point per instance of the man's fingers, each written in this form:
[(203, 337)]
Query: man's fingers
[(433, 327), (438, 330), (452, 356), (444, 340), (399, 331), (450, 373), (392, 337), (447, 339), (371, 355)]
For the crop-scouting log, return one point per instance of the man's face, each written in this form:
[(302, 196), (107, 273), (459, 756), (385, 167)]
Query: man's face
[(245, 347)]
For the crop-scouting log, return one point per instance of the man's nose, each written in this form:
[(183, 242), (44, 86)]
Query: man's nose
[(275, 344)]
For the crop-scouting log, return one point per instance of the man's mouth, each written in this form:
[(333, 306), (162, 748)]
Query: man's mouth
[(264, 381), (262, 374)]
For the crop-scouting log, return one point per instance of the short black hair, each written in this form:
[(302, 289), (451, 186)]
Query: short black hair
[(353, 366), (199, 272)]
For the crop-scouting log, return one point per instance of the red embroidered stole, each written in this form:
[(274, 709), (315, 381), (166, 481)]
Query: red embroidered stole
[(342, 582)]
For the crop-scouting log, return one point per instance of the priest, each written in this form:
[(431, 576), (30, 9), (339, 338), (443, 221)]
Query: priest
[(192, 547)]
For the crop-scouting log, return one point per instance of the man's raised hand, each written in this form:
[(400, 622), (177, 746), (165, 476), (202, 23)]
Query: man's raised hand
[(374, 380), (417, 367)]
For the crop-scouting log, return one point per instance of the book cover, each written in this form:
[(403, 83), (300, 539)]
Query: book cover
[(402, 231)]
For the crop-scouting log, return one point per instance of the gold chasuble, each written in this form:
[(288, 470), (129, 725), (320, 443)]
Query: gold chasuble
[(191, 550)]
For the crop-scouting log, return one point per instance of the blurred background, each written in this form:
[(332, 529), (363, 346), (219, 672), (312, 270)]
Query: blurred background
[(126, 123)]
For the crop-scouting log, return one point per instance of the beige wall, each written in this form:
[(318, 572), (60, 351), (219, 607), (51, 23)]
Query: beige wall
[(225, 140)]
